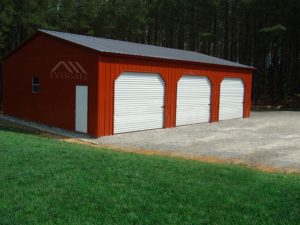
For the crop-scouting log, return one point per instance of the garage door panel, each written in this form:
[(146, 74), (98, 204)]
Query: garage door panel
[(148, 116), (135, 126), (189, 102), (189, 107), (150, 121), (231, 99), (139, 102), (193, 100), (231, 103)]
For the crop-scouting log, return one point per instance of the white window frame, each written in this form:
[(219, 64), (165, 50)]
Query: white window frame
[(35, 85)]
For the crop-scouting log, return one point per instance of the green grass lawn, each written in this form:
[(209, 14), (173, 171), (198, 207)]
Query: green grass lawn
[(45, 181)]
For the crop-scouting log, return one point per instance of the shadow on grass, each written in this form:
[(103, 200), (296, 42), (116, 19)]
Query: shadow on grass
[(9, 126)]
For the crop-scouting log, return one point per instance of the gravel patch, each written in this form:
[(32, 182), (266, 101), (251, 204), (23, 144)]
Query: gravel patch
[(267, 139)]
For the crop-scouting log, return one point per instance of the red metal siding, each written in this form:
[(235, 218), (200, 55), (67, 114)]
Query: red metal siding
[(55, 104), (110, 67)]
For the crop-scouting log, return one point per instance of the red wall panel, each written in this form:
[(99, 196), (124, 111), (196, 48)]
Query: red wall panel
[(55, 104), (110, 67)]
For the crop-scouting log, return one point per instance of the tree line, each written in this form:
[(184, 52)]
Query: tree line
[(262, 33)]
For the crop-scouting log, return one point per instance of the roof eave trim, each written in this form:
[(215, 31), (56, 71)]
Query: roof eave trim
[(145, 57), (117, 54)]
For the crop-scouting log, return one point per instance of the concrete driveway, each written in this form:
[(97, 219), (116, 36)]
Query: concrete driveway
[(270, 139)]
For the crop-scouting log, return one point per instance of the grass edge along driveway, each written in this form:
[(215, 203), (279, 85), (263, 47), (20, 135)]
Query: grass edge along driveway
[(46, 181)]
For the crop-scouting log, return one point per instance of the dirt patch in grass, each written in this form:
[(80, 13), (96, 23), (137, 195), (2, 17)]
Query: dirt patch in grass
[(209, 159)]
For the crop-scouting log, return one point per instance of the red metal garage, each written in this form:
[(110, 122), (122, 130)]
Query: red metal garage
[(102, 86)]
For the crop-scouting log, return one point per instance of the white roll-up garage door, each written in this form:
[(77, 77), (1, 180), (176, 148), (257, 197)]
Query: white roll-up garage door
[(193, 100), (231, 99), (139, 102)]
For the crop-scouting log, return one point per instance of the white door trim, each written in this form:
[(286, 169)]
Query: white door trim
[(81, 108)]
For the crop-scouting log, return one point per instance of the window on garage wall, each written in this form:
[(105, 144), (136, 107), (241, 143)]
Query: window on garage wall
[(35, 84)]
